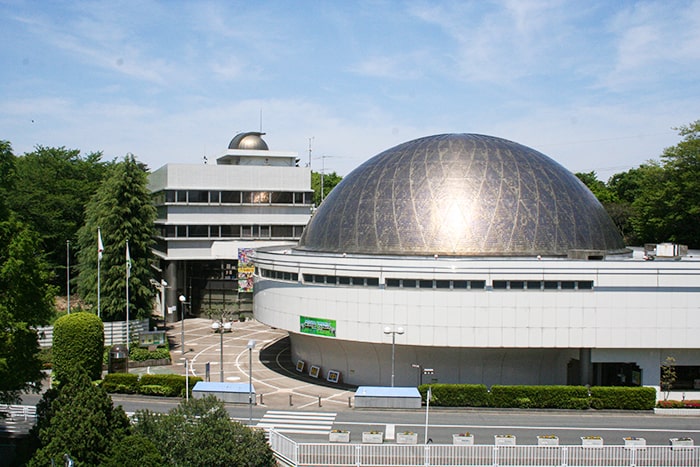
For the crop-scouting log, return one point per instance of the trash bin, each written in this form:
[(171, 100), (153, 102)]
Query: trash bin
[(118, 359)]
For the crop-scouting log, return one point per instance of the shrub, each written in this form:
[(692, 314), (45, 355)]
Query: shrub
[(123, 383), (625, 398), (457, 395), (174, 385), (78, 341), (541, 397), (139, 354)]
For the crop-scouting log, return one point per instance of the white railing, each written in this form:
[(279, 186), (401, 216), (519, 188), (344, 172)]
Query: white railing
[(26, 413), (115, 332), (438, 455)]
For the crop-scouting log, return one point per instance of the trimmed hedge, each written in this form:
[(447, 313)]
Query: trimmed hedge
[(122, 383), (538, 397), (626, 398), (457, 395), (154, 385), (78, 341), (541, 397)]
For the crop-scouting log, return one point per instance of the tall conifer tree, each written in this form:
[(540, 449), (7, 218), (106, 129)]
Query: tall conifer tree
[(123, 210)]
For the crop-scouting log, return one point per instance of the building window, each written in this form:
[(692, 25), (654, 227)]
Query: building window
[(231, 197), (264, 231), (231, 231), (256, 197), (282, 197), (282, 231), (181, 197), (198, 231), (198, 196), (181, 231), (170, 196), (214, 197)]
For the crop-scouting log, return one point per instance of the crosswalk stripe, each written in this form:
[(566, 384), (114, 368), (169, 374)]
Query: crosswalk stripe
[(297, 422)]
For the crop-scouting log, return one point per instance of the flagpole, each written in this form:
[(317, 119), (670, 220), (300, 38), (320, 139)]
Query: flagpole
[(100, 248), (128, 274), (68, 273)]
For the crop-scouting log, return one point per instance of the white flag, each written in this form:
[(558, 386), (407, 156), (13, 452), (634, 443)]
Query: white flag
[(128, 261), (100, 246)]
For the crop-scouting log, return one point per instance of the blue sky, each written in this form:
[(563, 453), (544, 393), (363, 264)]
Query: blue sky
[(596, 85)]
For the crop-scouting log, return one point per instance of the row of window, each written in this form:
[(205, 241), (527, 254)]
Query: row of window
[(341, 280), (232, 197), (230, 231), (543, 285), (443, 284)]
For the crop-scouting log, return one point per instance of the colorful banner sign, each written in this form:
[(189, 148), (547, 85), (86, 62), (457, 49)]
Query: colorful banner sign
[(245, 270), (317, 326)]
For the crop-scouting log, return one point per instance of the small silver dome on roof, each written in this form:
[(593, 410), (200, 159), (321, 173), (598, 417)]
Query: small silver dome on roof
[(249, 140), (461, 195)]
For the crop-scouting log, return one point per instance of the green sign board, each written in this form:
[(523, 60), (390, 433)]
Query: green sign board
[(317, 326)]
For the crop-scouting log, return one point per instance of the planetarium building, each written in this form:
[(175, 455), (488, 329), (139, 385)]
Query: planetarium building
[(484, 261)]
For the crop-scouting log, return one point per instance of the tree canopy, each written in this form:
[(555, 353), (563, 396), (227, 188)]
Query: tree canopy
[(26, 299), (659, 201), (329, 182), (199, 432), (80, 420), (123, 211), (53, 186)]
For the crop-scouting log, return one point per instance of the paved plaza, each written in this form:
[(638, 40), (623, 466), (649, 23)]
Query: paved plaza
[(277, 383)]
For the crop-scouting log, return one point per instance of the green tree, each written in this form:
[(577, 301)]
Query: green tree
[(53, 187), (123, 210), (329, 182), (26, 299), (668, 375), (7, 177), (599, 189), (134, 451), (199, 432), (78, 342), (80, 420), (667, 205)]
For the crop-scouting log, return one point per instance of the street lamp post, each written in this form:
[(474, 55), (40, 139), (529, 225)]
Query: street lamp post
[(393, 332), (187, 380), (251, 346), (221, 350), (182, 323), (163, 308)]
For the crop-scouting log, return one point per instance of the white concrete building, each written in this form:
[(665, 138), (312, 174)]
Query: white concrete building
[(497, 264), (251, 197)]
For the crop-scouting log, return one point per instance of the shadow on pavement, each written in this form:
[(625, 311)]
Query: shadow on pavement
[(277, 357)]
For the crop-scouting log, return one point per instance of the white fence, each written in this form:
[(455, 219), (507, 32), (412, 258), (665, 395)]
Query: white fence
[(25, 413), (115, 332), (438, 455)]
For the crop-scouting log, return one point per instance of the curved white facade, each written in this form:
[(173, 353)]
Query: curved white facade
[(491, 321)]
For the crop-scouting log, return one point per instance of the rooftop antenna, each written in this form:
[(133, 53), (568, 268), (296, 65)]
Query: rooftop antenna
[(310, 140), (261, 125)]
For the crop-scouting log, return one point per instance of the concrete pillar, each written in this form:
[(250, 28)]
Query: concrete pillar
[(171, 292), (585, 366)]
